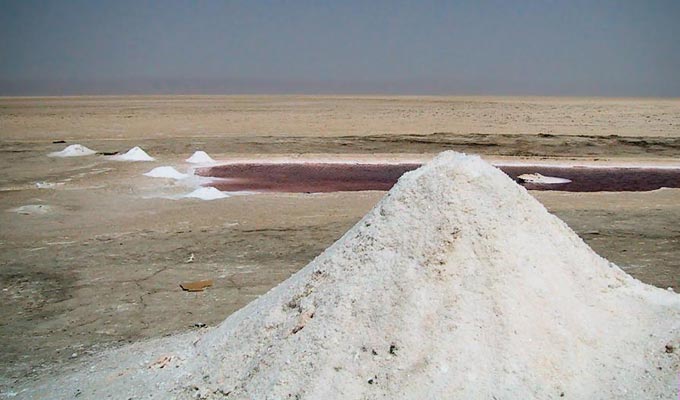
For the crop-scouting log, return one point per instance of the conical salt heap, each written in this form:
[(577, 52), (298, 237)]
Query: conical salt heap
[(458, 284), (200, 157)]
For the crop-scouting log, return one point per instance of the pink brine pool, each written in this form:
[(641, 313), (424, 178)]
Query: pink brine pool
[(298, 177)]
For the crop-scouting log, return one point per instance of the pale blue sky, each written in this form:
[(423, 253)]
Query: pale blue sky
[(578, 47)]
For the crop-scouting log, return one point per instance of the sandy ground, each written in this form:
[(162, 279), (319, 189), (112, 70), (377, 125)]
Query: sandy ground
[(219, 116), (100, 262)]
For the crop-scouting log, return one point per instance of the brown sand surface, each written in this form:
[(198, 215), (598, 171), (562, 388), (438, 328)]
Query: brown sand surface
[(100, 262), (331, 116)]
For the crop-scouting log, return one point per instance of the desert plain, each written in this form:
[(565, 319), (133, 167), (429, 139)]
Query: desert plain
[(96, 259)]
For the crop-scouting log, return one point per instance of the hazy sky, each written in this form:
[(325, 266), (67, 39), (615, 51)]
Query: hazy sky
[(570, 47)]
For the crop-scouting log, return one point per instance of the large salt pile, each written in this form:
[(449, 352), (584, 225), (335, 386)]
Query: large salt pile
[(200, 157), (74, 150), (134, 154), (458, 284)]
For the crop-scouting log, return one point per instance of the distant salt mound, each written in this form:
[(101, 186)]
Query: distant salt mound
[(134, 154), (166, 172), (200, 157), (457, 284), (206, 193), (74, 150), (541, 179)]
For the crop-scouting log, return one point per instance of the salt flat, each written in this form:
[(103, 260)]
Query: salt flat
[(456, 279), (102, 267)]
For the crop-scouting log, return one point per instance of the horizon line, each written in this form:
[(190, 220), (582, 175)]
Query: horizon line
[(333, 94)]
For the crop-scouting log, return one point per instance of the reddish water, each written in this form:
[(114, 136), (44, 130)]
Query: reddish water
[(335, 177)]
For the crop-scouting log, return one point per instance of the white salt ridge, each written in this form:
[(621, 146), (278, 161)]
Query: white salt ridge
[(200, 157), (542, 179), (166, 172), (134, 154), (457, 284), (74, 150), (32, 209), (206, 193), (48, 185)]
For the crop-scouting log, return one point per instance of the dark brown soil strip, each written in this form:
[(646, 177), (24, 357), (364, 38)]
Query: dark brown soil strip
[(336, 177)]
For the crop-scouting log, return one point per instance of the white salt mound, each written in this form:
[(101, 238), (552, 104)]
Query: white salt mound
[(206, 193), (74, 150), (200, 157), (458, 284), (134, 154), (166, 172), (542, 179)]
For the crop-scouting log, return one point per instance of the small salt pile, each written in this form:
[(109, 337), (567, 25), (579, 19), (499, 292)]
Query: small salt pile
[(541, 179), (166, 172), (206, 193), (200, 157), (74, 150), (134, 154)]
